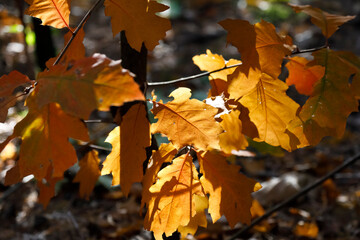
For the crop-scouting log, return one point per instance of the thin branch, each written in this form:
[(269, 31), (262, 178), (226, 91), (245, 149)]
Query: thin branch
[(87, 15), (98, 121), (305, 190), (191, 77), (298, 51)]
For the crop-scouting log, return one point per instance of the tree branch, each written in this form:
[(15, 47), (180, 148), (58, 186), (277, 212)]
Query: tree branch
[(305, 190), (298, 51), (87, 15), (191, 77)]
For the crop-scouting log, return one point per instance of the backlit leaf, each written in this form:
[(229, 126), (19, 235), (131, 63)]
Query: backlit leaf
[(88, 174), (129, 141), (139, 20), (173, 197), (76, 49), (54, 13), (303, 76), (229, 190), (186, 121), (328, 23), (88, 84)]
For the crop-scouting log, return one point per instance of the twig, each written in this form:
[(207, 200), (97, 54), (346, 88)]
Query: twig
[(191, 77), (294, 197), (298, 51), (87, 15), (98, 121)]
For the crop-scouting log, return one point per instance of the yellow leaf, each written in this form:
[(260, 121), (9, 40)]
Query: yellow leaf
[(232, 138), (8, 85), (139, 20), (229, 190), (129, 141), (45, 133), (187, 121), (88, 174), (164, 154), (173, 197), (303, 76), (328, 23), (54, 13), (270, 109), (87, 84)]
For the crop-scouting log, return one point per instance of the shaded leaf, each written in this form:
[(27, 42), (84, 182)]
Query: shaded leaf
[(76, 49), (88, 174), (88, 84), (328, 23), (173, 197), (186, 121), (139, 20), (54, 13), (303, 76), (8, 85), (129, 141), (46, 187), (229, 190)]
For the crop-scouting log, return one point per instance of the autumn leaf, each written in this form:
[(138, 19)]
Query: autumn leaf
[(173, 197), (8, 85), (164, 154), (139, 20), (54, 13), (88, 174), (303, 76), (328, 23), (186, 121), (271, 110), (323, 114), (229, 190), (87, 84), (76, 49), (210, 62), (129, 141), (45, 134), (232, 139), (47, 187)]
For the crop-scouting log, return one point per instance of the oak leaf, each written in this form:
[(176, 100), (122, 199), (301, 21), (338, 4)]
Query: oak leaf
[(76, 49), (303, 76), (46, 187), (88, 174), (139, 20), (45, 133), (229, 190), (54, 13), (129, 141), (328, 23), (87, 84), (173, 197), (8, 86), (186, 121)]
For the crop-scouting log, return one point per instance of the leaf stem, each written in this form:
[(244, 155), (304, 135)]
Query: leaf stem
[(305, 190), (191, 77), (87, 15)]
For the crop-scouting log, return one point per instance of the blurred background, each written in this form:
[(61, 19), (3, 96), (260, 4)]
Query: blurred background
[(329, 212)]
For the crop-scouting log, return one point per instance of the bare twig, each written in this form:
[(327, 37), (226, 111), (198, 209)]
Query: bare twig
[(298, 51), (87, 15), (191, 77), (305, 190)]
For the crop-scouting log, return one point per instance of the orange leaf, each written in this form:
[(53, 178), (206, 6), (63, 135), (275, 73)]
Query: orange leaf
[(270, 109), (46, 187), (54, 13), (210, 62), (76, 49), (186, 121), (129, 141), (8, 85), (229, 190), (173, 197), (164, 154), (309, 230), (323, 114), (232, 139), (45, 133), (88, 174), (139, 20), (303, 76), (328, 23), (88, 84)]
